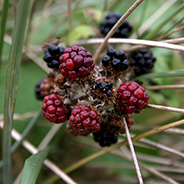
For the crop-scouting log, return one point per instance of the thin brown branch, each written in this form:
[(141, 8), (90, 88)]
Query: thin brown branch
[(181, 86), (138, 171), (141, 43), (165, 108), (178, 131), (170, 33), (116, 26), (146, 134)]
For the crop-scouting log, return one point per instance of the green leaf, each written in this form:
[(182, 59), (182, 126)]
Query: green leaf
[(171, 73), (83, 31), (33, 166), (3, 25)]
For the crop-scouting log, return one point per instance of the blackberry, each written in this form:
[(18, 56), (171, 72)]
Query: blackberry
[(105, 137), (52, 55), (115, 62), (76, 63), (85, 119), (38, 91), (54, 110), (102, 89), (131, 98), (142, 61), (110, 20), (47, 85)]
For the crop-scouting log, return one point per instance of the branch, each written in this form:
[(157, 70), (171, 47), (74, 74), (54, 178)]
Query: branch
[(160, 107), (149, 43), (165, 87), (138, 171)]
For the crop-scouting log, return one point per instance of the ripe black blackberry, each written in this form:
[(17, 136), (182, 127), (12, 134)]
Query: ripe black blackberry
[(102, 89), (115, 62), (52, 55), (104, 136), (38, 91), (142, 61), (110, 20)]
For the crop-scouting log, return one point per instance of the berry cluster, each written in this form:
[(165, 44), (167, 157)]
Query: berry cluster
[(115, 62), (52, 55), (142, 61), (131, 98), (88, 97), (85, 119), (76, 63), (110, 20)]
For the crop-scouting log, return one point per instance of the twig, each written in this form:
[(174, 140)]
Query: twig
[(161, 146), (150, 169), (70, 14), (135, 42), (178, 131), (156, 16), (20, 116), (181, 86), (160, 107), (138, 171), (116, 26), (48, 163), (146, 134), (170, 33)]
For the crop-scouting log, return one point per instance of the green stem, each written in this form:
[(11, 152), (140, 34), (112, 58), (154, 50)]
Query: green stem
[(24, 134), (11, 83), (3, 25), (164, 22)]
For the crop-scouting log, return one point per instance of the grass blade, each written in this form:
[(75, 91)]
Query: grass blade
[(164, 22), (24, 134), (11, 83), (170, 73), (3, 25), (32, 167)]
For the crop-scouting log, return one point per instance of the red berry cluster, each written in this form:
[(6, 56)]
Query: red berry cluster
[(132, 97), (76, 63), (53, 109), (84, 119)]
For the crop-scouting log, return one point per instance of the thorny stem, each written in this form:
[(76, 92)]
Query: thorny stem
[(160, 107), (115, 27), (146, 134), (138, 171)]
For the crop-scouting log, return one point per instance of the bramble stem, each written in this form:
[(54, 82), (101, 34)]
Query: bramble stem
[(160, 107), (165, 87), (149, 43), (138, 171), (146, 134), (115, 27)]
